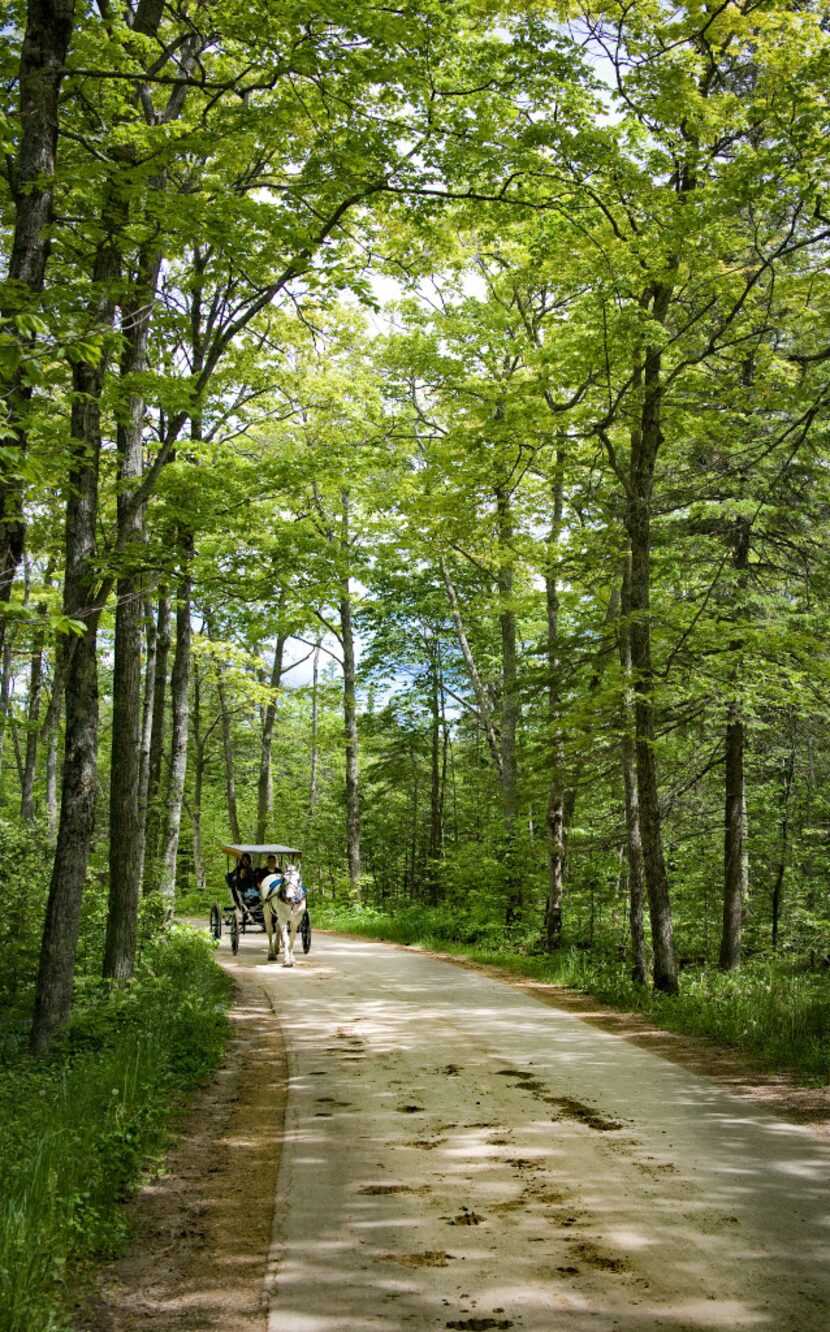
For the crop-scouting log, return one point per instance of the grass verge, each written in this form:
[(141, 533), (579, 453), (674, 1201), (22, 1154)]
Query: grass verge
[(77, 1129), (774, 1009)]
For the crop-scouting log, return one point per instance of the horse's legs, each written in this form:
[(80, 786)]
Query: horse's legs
[(268, 917), (285, 942)]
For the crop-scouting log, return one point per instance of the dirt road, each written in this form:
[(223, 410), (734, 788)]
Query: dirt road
[(458, 1155), (454, 1153)]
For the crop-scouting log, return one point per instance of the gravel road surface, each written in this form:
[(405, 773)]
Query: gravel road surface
[(459, 1155)]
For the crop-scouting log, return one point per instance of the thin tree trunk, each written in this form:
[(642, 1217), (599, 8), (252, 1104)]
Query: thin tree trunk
[(509, 673), (482, 701), (146, 721), (152, 834), (644, 448), (435, 813), (52, 782), (199, 743), (350, 727), (230, 767), (46, 39), (180, 685), (5, 697), (735, 864), (126, 856), (312, 785), (556, 794), (735, 859), (264, 784), (27, 793), (784, 802), (634, 844)]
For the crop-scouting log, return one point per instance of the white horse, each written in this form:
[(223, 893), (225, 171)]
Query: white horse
[(283, 902)]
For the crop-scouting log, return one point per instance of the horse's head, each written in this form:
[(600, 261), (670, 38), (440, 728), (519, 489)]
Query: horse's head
[(292, 884)]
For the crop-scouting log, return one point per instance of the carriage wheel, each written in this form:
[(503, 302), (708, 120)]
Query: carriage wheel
[(216, 921), (305, 931), (234, 933)]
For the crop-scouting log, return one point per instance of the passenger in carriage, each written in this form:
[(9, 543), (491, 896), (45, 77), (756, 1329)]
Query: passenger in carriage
[(270, 867), (243, 884)]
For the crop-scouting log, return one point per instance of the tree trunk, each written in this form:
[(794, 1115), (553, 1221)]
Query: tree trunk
[(126, 857), (735, 866), (180, 685), (52, 782), (634, 844), (199, 743), (46, 39), (264, 786), (509, 675), (230, 769), (27, 793), (645, 444), (312, 784), (146, 722), (479, 691), (735, 859), (437, 763), (778, 885), (556, 794), (152, 834), (53, 995), (350, 727), (436, 787), (5, 696)]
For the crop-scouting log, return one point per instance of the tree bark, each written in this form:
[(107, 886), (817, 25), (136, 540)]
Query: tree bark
[(46, 40), (778, 884), (645, 443), (126, 859), (436, 789), (230, 769), (479, 691), (53, 995), (350, 728), (264, 785), (509, 675), (556, 827), (315, 678), (735, 865), (153, 826), (27, 793), (5, 696), (634, 843), (199, 745), (52, 782), (735, 859), (180, 685), (146, 721)]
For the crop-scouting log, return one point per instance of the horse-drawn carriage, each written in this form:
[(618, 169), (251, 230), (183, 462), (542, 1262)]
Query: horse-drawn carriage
[(246, 909)]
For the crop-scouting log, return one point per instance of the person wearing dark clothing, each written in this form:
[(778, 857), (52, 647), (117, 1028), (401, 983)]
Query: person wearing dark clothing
[(243, 884)]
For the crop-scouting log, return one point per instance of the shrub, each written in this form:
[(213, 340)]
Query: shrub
[(77, 1129)]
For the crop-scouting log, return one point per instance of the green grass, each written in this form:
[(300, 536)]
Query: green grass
[(774, 1009), (77, 1130)]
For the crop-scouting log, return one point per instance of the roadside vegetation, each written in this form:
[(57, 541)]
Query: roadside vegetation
[(79, 1129)]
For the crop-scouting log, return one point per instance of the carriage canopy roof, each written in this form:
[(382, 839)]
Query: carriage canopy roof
[(266, 849)]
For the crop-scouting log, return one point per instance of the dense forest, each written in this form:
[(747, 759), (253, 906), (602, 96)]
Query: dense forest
[(415, 448)]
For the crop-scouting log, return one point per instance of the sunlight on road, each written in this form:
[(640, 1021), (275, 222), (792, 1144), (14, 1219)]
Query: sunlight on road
[(459, 1155)]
